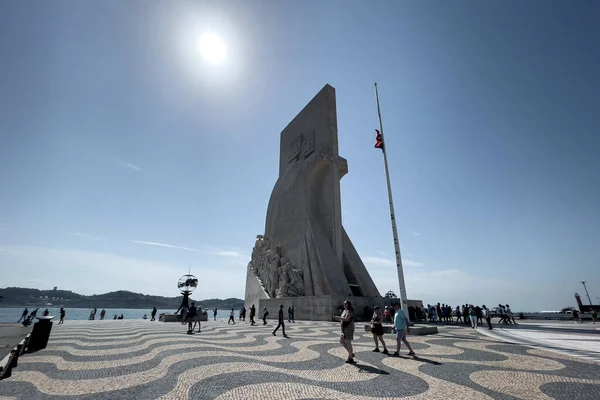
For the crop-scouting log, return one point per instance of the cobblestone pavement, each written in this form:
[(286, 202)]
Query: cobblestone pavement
[(152, 360), (581, 340)]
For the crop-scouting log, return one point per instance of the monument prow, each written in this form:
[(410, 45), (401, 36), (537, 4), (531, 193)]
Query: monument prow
[(305, 252)]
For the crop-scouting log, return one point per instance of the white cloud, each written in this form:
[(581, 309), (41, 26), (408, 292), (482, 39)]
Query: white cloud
[(379, 261), (171, 246), (228, 253), (416, 234), (129, 165), (85, 235), (411, 263), (98, 272), (389, 262)]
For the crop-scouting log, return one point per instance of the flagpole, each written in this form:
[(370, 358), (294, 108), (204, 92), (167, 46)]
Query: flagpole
[(403, 297)]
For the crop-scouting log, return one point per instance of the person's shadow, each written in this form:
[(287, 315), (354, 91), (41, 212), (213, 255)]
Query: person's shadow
[(370, 370), (426, 360)]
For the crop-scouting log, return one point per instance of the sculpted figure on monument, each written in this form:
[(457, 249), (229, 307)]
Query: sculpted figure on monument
[(274, 264), (291, 280), (265, 263)]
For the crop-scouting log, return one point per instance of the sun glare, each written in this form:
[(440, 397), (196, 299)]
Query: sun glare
[(213, 48)]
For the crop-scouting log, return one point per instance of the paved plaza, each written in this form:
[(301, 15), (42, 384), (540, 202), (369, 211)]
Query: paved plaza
[(152, 360)]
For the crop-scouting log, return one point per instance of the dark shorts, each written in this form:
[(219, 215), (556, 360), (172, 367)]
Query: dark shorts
[(377, 329)]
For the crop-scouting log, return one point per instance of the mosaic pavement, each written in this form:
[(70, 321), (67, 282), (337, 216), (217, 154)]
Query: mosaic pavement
[(152, 360)]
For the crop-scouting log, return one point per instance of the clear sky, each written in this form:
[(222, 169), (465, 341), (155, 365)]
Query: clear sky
[(126, 157)]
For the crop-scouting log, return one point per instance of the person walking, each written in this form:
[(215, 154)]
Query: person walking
[(281, 323), (401, 327), (387, 315), (509, 315), (102, 314), (575, 316), (293, 314), (290, 314), (92, 314), (377, 330), (153, 314), (486, 315), (215, 314), (191, 317), (231, 317), (458, 315), (62, 316), (24, 315), (197, 320), (347, 336), (265, 313), (500, 312), (594, 315), (473, 316), (252, 315), (479, 315)]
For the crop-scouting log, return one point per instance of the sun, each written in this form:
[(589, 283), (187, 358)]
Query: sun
[(213, 48)]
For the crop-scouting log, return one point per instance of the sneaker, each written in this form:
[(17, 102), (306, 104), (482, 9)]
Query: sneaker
[(412, 353), (385, 351), (274, 334), (376, 350), (285, 336), (396, 354), (350, 361)]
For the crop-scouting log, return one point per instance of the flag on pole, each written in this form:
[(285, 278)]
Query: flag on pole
[(378, 140)]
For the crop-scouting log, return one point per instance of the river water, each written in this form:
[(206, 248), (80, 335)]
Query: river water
[(13, 314)]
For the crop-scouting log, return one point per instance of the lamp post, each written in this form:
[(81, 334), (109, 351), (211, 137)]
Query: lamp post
[(586, 292)]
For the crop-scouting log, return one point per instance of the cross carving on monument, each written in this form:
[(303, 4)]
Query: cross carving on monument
[(340, 162)]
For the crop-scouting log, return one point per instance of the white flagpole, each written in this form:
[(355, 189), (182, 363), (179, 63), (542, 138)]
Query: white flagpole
[(403, 297)]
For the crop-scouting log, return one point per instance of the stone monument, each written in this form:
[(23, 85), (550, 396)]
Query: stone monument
[(305, 258)]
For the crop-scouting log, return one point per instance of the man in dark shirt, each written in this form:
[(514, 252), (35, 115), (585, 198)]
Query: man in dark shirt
[(24, 315), (281, 323), (153, 314), (191, 317), (252, 314)]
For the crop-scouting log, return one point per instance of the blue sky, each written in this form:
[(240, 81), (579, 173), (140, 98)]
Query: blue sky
[(116, 136)]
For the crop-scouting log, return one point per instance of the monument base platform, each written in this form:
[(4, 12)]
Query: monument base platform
[(319, 308), (177, 317), (414, 330)]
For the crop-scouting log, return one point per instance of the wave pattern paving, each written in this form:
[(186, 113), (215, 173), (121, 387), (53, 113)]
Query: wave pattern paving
[(151, 360)]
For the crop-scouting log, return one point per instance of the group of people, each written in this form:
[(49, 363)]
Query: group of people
[(191, 316), (468, 314), (401, 328), (27, 317)]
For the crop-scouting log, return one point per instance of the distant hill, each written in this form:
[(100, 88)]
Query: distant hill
[(21, 297)]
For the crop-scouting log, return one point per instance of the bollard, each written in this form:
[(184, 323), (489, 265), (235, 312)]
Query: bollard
[(7, 371), (16, 352), (25, 344), (40, 334)]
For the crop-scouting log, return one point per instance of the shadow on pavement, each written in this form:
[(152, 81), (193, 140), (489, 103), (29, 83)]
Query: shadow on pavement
[(426, 360), (370, 370)]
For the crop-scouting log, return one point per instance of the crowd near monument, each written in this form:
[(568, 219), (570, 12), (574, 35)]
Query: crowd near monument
[(305, 257)]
